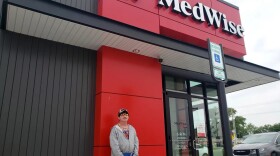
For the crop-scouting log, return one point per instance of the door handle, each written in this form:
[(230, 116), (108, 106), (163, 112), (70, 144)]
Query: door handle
[(194, 145)]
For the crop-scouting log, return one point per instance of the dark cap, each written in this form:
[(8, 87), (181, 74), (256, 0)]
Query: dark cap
[(122, 111)]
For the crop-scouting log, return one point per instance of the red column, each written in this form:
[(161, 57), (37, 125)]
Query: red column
[(132, 81)]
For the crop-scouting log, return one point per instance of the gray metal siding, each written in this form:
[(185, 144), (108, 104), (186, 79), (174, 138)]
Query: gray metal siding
[(46, 97), (85, 5)]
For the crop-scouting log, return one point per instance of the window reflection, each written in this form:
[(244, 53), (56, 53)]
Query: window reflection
[(211, 91), (196, 88), (216, 128), (199, 121), (175, 84), (180, 130)]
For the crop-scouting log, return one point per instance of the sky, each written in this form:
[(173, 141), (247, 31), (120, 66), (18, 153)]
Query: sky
[(260, 18)]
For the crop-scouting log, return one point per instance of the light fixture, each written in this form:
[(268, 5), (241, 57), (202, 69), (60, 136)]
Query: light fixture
[(137, 51)]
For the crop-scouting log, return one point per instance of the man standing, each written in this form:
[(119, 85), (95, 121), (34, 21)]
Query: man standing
[(123, 138)]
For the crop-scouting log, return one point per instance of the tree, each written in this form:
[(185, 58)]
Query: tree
[(231, 112), (243, 129), (268, 128), (263, 129), (251, 128), (275, 128), (240, 124)]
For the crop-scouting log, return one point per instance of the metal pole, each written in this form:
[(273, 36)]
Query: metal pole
[(224, 119)]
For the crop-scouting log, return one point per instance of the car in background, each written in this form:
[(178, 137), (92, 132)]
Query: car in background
[(266, 144)]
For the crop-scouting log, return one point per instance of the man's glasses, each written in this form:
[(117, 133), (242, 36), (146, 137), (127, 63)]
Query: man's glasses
[(124, 114)]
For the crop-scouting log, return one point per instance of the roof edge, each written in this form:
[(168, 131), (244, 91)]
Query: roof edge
[(229, 4), (95, 21)]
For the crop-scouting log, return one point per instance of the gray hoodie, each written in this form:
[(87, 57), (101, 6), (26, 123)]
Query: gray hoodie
[(119, 144)]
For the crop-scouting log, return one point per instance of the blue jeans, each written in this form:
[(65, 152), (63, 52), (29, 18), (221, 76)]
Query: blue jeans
[(128, 154)]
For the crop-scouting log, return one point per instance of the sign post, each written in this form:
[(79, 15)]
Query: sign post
[(218, 72)]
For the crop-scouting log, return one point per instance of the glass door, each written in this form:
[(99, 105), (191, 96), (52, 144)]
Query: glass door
[(192, 115), (200, 127), (180, 131)]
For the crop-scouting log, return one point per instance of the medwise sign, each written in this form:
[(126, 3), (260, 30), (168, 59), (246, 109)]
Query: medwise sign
[(204, 13), (217, 64)]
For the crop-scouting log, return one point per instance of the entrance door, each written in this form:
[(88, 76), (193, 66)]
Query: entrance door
[(186, 131), (181, 138)]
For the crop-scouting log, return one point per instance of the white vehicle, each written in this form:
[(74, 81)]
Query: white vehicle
[(202, 150)]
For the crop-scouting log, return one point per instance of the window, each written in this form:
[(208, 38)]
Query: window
[(175, 84), (216, 127), (211, 91), (278, 140), (196, 88)]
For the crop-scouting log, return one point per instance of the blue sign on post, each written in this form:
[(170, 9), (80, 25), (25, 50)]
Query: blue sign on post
[(217, 58), (217, 65)]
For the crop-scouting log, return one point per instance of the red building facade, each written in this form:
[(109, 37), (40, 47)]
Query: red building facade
[(68, 66), (159, 19)]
